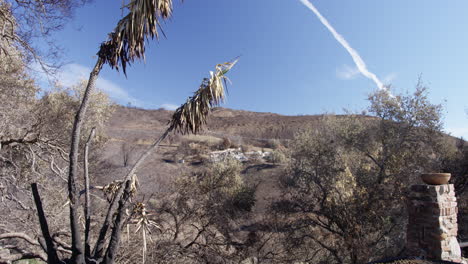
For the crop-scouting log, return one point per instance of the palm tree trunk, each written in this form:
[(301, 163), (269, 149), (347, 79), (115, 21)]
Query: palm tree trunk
[(87, 211), (77, 246)]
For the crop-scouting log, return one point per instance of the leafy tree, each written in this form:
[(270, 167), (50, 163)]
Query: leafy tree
[(17, 95), (27, 23), (346, 183), (455, 161), (34, 150)]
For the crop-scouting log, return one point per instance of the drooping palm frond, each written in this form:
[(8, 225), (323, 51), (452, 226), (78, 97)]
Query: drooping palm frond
[(191, 116), (127, 42)]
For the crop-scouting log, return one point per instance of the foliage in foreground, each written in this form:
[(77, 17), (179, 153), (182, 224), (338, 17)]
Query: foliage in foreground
[(198, 217), (346, 182)]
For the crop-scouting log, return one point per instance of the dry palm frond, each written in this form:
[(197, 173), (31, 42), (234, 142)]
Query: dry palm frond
[(191, 116), (127, 42), (112, 188), (140, 217)]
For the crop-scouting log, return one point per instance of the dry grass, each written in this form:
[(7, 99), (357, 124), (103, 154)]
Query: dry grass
[(144, 142), (206, 139)]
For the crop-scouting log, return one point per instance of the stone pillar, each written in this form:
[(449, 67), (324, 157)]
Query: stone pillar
[(432, 224)]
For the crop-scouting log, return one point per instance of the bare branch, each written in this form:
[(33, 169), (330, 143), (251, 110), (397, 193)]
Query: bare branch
[(18, 256), (98, 250), (23, 236), (21, 204)]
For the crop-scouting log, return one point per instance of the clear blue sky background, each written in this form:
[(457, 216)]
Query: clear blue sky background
[(290, 62)]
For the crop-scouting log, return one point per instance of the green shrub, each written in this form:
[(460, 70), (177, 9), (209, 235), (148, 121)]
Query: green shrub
[(274, 143), (242, 201), (225, 144), (277, 156), (246, 148)]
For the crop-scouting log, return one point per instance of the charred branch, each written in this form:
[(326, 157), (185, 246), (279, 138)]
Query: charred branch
[(51, 250)]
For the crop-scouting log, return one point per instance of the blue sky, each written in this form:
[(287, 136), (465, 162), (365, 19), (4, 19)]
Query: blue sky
[(291, 63)]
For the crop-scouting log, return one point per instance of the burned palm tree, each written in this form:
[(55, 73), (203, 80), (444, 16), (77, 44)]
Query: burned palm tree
[(125, 45), (127, 42)]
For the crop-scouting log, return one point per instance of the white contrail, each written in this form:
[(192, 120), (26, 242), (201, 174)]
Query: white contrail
[(360, 64)]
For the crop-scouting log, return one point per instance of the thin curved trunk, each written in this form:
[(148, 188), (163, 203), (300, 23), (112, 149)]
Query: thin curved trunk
[(87, 208), (77, 246), (120, 200)]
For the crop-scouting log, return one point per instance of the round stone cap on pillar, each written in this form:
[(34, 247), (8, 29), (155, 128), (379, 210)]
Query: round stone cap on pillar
[(436, 178)]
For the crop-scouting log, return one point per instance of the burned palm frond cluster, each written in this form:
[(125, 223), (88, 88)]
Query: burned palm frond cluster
[(139, 216), (127, 42), (192, 115), (112, 188)]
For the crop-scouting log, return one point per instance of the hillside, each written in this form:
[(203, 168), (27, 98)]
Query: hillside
[(131, 130)]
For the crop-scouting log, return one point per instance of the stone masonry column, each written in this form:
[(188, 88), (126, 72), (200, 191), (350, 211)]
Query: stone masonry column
[(432, 224)]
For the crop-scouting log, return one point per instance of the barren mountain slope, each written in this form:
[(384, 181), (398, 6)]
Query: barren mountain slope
[(131, 130)]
